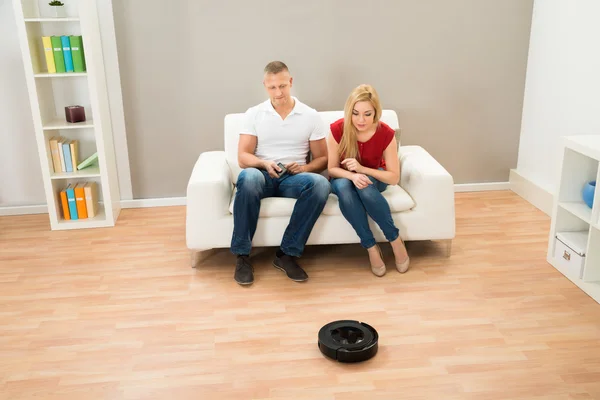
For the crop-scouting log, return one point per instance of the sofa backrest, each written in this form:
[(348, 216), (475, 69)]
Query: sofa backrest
[(234, 124)]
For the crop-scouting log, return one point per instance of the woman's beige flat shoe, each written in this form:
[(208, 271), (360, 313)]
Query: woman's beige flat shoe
[(380, 270), (403, 267)]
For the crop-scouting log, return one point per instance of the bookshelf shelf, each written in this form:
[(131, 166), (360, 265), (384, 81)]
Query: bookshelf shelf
[(577, 255), (60, 75), (579, 209), (98, 221), (90, 172), (60, 124), (79, 45)]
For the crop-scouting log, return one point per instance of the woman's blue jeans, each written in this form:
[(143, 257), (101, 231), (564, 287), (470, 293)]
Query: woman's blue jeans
[(356, 203)]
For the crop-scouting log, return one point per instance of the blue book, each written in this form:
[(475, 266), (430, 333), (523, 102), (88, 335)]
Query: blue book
[(71, 201), (66, 45), (66, 147)]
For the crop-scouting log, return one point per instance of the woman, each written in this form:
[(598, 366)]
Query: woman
[(363, 161)]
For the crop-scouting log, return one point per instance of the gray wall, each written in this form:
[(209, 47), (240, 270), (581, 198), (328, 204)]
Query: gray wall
[(453, 70)]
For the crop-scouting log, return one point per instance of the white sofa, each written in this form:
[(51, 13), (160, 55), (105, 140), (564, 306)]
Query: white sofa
[(422, 204)]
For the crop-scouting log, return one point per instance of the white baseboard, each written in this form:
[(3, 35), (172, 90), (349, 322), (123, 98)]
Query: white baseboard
[(481, 187), (180, 201), (160, 202), (23, 210), (533, 193)]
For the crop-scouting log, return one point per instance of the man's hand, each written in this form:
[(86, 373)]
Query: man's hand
[(361, 181), (294, 168), (352, 165), (272, 168)]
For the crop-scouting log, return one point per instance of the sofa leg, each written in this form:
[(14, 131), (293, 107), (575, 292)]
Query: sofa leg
[(448, 243), (197, 256)]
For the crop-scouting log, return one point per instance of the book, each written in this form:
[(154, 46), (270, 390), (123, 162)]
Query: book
[(77, 53), (80, 201), (88, 161), (65, 205), (59, 58), (74, 150), (71, 200), (91, 198), (54, 153), (61, 154), (66, 148), (47, 43), (66, 46)]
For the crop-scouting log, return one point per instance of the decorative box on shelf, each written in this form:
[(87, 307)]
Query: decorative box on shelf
[(569, 251)]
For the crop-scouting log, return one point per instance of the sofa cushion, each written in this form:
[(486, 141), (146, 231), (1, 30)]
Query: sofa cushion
[(397, 198)]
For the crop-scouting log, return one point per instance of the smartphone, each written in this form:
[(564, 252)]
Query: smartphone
[(283, 169)]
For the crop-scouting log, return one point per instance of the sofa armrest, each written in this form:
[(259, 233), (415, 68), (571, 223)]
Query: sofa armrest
[(429, 184), (209, 189)]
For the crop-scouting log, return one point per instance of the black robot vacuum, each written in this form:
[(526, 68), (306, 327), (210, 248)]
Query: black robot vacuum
[(348, 341)]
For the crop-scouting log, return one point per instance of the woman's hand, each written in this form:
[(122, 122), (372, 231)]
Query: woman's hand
[(352, 165), (361, 181)]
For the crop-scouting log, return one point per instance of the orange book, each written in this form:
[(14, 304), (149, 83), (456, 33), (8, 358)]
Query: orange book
[(65, 205), (80, 200)]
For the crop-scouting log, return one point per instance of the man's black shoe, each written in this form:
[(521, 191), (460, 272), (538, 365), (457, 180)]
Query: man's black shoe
[(244, 271), (288, 265)]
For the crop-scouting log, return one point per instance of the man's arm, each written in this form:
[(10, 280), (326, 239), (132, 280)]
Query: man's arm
[(318, 149), (247, 159)]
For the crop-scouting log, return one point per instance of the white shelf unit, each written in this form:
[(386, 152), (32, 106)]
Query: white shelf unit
[(50, 93), (580, 161)]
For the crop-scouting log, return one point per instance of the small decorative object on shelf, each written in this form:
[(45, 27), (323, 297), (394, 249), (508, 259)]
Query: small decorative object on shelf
[(588, 193), (75, 113), (57, 6)]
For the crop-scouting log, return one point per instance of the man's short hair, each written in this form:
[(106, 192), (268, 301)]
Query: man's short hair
[(275, 67)]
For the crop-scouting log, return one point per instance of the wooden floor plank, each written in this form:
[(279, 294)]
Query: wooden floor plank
[(117, 313)]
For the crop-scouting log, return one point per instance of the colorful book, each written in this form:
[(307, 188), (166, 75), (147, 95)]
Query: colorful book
[(59, 58), (47, 43), (65, 205), (74, 150), (88, 161), (66, 46), (80, 201), (91, 198), (54, 153), (66, 148), (61, 154), (71, 200), (77, 53)]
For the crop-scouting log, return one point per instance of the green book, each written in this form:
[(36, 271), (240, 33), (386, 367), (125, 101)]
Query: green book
[(88, 161), (59, 58), (77, 53)]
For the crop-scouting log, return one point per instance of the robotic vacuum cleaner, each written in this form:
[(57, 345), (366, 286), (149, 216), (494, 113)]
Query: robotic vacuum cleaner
[(348, 341)]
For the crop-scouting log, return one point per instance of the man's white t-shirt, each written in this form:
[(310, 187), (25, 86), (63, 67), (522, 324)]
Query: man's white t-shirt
[(286, 140)]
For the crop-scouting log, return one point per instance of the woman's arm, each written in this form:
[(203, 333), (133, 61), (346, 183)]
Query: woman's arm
[(391, 175), (333, 160)]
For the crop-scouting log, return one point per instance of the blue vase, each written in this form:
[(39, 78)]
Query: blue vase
[(588, 193)]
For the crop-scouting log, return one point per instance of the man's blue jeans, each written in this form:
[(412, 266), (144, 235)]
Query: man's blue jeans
[(311, 190), (356, 203)]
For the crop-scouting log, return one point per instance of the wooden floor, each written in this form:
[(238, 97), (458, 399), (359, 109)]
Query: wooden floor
[(118, 313)]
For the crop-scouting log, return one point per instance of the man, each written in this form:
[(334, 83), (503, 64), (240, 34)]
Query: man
[(279, 130)]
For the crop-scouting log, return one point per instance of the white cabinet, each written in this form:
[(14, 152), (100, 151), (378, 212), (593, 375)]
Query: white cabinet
[(574, 242)]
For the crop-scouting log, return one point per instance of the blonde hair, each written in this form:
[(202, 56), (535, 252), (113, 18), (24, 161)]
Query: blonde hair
[(348, 147)]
